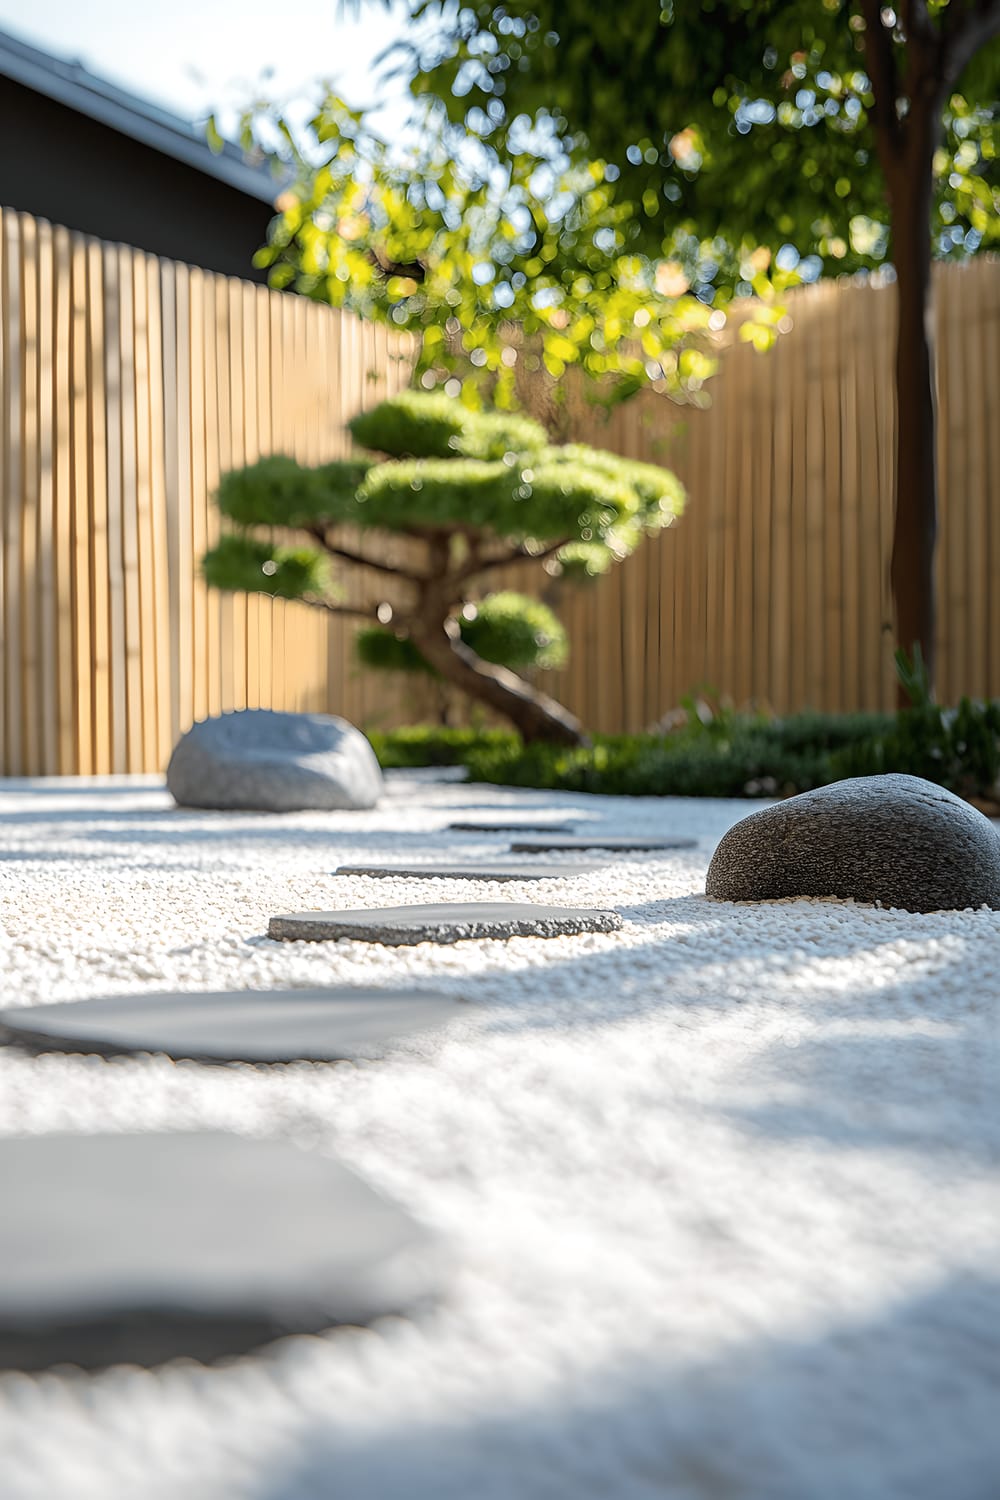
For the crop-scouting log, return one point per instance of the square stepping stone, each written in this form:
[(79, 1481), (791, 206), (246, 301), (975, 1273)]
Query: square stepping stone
[(483, 869), (142, 1248), (253, 1026), (445, 922), (621, 843), (512, 827)]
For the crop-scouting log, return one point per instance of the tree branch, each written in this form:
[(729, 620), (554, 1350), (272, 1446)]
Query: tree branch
[(359, 560), (964, 29), (508, 559), (354, 611)]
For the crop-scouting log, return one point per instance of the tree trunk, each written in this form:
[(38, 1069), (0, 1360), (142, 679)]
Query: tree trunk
[(915, 530), (534, 715)]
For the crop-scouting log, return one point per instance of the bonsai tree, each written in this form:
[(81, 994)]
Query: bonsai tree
[(476, 492)]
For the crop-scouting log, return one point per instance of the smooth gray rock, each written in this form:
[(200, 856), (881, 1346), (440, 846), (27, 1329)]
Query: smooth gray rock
[(141, 1248), (483, 869), (257, 760), (622, 843), (444, 922), (254, 1026), (899, 841)]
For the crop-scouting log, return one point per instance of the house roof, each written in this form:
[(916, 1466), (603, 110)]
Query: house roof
[(70, 84)]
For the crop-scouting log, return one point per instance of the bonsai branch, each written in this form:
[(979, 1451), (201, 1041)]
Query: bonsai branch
[(352, 611), (346, 554), (508, 559)]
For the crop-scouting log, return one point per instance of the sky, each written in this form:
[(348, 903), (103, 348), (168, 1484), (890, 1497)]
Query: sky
[(197, 57)]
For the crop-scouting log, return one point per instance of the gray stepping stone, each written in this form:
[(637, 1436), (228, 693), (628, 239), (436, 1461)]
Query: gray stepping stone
[(597, 840), (255, 1026), (512, 827), (445, 922), (142, 1248), (483, 869)]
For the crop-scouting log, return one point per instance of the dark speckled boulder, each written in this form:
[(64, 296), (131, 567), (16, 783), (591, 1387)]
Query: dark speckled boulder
[(897, 840)]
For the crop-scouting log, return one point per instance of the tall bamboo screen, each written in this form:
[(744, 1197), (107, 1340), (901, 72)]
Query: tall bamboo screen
[(774, 586), (128, 383)]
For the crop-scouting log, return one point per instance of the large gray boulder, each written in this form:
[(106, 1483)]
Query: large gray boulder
[(896, 840), (262, 761)]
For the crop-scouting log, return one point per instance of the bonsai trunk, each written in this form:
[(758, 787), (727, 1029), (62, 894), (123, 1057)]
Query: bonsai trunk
[(533, 714), (915, 530)]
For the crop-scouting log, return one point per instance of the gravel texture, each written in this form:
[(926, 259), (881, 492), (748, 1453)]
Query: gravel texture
[(721, 1186)]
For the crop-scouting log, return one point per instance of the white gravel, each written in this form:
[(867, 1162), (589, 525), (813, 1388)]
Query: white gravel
[(721, 1187)]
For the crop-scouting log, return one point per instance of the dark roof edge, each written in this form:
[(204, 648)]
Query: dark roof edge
[(70, 83)]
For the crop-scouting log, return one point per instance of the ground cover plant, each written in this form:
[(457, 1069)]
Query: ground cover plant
[(728, 754)]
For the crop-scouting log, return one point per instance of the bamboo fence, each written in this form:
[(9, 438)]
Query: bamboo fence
[(127, 384), (774, 586)]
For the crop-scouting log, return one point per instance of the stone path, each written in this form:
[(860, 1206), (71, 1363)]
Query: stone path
[(631, 844), (442, 922), (256, 1026), (140, 1248), (482, 869)]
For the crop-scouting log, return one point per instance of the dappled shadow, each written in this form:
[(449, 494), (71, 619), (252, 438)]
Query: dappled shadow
[(898, 1406), (889, 1103)]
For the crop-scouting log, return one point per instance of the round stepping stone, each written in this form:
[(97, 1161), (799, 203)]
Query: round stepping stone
[(478, 870), (445, 922), (512, 827), (255, 1026), (142, 1248), (597, 840), (898, 840)]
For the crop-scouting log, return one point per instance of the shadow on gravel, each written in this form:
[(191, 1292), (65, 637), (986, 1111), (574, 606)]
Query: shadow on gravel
[(900, 1406)]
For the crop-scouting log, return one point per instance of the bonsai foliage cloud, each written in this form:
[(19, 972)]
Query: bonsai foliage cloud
[(477, 491)]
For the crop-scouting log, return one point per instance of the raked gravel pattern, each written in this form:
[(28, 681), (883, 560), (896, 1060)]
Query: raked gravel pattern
[(722, 1187)]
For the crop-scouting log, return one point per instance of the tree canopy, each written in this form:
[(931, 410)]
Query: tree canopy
[(730, 123), (605, 179), (593, 185)]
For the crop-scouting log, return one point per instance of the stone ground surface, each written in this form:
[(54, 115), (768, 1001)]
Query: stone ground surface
[(140, 1247), (721, 1186), (332, 1024)]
